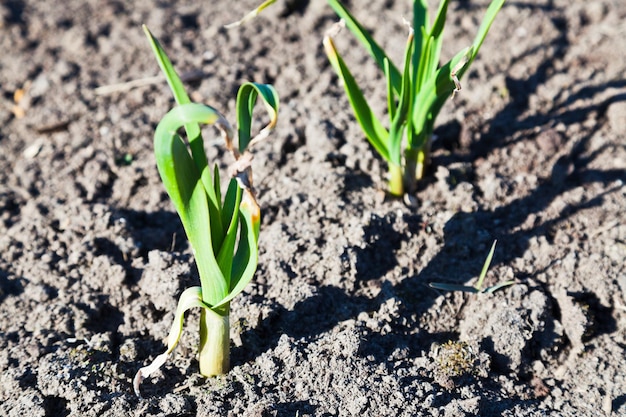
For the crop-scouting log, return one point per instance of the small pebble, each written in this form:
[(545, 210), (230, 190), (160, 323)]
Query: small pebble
[(616, 116)]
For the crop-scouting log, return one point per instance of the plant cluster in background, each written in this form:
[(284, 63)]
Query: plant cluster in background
[(415, 94), (223, 230)]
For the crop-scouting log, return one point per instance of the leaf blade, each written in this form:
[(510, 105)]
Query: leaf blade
[(246, 100), (251, 14), (184, 186), (193, 129), (483, 272), (247, 256), (452, 287), (374, 131), (368, 42), (190, 298)]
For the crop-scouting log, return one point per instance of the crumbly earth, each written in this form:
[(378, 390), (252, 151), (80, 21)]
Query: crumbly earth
[(339, 320)]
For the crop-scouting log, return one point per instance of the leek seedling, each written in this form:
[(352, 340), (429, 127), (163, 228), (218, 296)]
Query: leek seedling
[(223, 232), (415, 95), (251, 15), (478, 288)]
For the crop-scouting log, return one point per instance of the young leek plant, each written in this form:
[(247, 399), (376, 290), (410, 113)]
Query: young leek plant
[(415, 94), (222, 231), (478, 287), (251, 15)]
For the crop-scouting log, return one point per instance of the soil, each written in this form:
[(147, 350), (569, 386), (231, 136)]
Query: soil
[(339, 320)]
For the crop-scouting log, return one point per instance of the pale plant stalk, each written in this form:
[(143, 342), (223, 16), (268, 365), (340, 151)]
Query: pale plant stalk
[(223, 230), (214, 352)]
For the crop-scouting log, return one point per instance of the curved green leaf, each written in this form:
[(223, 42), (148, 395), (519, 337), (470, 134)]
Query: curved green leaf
[(193, 129), (182, 182), (190, 298), (246, 99), (485, 25), (436, 35)]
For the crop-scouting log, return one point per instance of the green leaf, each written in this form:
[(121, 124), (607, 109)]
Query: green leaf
[(433, 94), (246, 99), (230, 218), (478, 288), (247, 255), (496, 287), (452, 287), (432, 48), (483, 272), (426, 57), (440, 20), (490, 15), (488, 18), (231, 204), (251, 15), (217, 186), (373, 129), (420, 20), (421, 74), (391, 95), (186, 190), (174, 81), (190, 298), (398, 122), (368, 42), (420, 23), (193, 129)]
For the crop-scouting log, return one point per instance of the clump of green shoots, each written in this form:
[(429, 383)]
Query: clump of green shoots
[(415, 95), (223, 230), (478, 287)]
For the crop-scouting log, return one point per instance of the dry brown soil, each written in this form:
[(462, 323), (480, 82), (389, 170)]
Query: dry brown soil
[(339, 320)]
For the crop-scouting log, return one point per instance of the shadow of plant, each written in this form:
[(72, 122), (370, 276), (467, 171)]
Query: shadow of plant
[(9, 286)]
